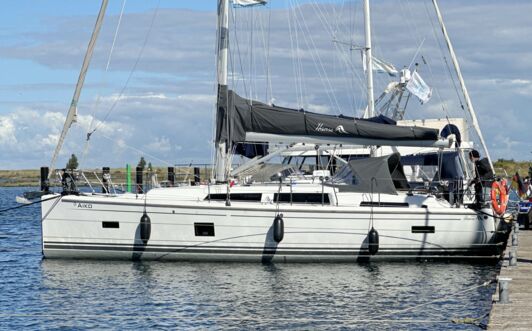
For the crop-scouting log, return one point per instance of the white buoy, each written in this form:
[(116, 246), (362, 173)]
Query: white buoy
[(22, 200)]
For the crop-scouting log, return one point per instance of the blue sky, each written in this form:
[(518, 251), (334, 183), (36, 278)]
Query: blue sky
[(164, 112)]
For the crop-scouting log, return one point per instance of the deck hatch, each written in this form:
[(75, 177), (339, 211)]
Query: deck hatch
[(235, 196), (423, 229), (383, 204), (314, 198), (110, 225), (204, 229)]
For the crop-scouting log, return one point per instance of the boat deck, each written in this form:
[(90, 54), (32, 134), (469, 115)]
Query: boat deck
[(517, 314)]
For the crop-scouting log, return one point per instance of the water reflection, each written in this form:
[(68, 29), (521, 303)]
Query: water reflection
[(272, 296)]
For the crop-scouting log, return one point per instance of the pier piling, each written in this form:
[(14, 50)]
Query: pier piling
[(512, 308), (139, 181), (504, 294), (171, 176), (45, 185), (513, 257), (197, 177)]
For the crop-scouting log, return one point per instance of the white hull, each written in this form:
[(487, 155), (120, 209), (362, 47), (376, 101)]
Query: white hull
[(74, 228)]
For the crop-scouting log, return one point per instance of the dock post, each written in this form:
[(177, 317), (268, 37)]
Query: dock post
[(171, 176), (515, 234), (513, 257), (197, 177), (45, 184), (128, 177), (504, 294), (515, 239), (138, 181)]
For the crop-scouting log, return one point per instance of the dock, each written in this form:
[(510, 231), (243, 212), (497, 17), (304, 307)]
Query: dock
[(516, 314)]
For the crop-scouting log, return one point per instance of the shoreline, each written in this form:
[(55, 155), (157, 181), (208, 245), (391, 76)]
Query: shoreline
[(31, 177)]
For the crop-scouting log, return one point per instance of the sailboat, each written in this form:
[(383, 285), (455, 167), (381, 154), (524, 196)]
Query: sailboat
[(366, 211)]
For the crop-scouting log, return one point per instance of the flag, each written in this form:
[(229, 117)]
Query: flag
[(380, 66), (417, 86), (246, 3), (518, 185)]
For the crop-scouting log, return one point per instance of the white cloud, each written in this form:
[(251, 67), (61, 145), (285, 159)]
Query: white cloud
[(134, 98), (7, 131), (159, 145)]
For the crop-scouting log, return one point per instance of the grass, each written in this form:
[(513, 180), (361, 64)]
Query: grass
[(510, 167)]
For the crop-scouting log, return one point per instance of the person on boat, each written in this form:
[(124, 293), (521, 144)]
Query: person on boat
[(68, 181), (528, 187), (483, 176)]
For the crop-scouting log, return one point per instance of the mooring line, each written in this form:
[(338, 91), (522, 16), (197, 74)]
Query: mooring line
[(485, 284), (29, 204)]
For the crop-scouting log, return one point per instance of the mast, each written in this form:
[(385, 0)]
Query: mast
[(369, 60), (73, 110), (223, 44), (462, 83)]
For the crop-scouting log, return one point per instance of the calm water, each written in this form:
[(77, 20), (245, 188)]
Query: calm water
[(55, 294)]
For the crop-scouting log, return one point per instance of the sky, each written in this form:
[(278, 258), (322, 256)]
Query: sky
[(154, 94)]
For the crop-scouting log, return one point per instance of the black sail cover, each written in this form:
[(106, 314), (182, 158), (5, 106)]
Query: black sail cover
[(236, 116), (382, 174)]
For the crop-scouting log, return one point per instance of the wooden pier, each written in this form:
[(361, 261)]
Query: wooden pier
[(517, 313)]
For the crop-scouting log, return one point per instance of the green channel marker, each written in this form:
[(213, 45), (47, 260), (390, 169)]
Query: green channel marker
[(128, 178)]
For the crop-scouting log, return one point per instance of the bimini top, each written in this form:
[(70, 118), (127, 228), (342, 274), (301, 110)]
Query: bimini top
[(371, 175), (238, 119)]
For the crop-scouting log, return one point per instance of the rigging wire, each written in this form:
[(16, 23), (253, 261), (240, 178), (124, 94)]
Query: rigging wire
[(320, 68), (338, 18), (237, 43), (251, 52), (98, 99), (268, 59), (447, 66), (140, 152), (132, 71), (295, 56), (347, 61), (449, 77)]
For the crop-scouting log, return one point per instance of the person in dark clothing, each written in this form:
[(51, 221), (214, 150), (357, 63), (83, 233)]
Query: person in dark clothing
[(68, 181), (483, 176)]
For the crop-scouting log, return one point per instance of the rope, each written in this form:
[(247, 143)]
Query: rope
[(28, 204), (400, 311)]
